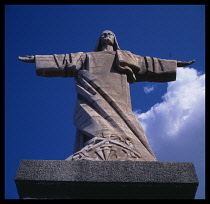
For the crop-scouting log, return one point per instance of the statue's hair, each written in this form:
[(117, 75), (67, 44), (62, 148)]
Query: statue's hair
[(99, 45)]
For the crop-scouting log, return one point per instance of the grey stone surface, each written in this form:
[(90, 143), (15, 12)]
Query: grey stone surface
[(107, 129), (105, 179)]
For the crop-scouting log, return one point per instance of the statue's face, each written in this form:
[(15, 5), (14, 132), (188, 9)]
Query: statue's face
[(107, 37)]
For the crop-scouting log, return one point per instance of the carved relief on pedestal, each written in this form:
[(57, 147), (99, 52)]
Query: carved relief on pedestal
[(108, 148)]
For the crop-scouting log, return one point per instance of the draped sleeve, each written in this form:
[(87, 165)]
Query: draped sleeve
[(146, 68), (59, 65)]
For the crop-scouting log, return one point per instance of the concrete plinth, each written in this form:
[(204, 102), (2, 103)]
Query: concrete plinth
[(61, 179)]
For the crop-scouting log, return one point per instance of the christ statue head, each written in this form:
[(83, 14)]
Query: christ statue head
[(107, 38)]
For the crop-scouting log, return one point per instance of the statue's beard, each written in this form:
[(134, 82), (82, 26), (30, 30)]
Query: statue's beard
[(107, 41)]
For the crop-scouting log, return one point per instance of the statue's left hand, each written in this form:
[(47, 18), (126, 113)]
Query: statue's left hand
[(191, 62), (184, 64), (28, 59)]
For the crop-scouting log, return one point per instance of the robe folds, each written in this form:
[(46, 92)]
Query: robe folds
[(107, 129)]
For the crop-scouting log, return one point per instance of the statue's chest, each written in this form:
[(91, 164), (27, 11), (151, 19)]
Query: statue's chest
[(101, 63), (103, 66)]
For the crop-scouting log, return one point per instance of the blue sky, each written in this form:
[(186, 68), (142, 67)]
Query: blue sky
[(39, 110)]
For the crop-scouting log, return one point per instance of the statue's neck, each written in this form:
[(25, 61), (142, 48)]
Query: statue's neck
[(106, 47)]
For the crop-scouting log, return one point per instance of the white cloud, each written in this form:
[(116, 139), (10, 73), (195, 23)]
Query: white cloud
[(183, 102), (175, 127), (148, 89)]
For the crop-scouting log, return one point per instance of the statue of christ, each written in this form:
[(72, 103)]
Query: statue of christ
[(107, 129)]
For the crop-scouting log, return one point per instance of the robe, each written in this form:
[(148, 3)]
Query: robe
[(107, 129)]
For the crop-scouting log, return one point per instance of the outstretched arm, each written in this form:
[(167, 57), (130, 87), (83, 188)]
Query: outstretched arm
[(47, 65), (184, 64), (28, 59), (57, 65)]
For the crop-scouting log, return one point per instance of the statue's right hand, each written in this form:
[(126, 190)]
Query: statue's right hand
[(28, 59)]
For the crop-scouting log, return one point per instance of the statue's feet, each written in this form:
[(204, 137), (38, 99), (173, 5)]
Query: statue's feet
[(28, 59), (111, 148)]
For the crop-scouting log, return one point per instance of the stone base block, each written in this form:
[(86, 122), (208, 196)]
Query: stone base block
[(61, 179)]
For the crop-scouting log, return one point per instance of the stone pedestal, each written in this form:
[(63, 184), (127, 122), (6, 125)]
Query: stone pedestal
[(61, 179)]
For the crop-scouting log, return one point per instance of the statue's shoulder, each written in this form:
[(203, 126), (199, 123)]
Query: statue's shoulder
[(77, 53), (101, 53), (127, 52)]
